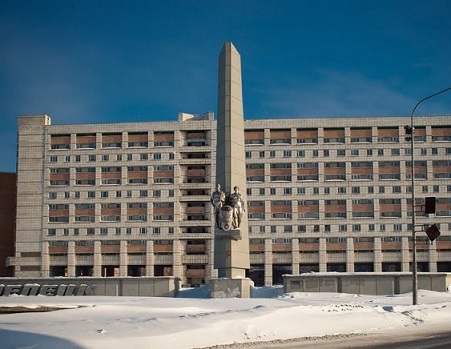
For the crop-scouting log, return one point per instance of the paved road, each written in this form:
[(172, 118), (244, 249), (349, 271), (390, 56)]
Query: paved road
[(408, 338)]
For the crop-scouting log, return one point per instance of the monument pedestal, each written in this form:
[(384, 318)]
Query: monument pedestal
[(230, 288)]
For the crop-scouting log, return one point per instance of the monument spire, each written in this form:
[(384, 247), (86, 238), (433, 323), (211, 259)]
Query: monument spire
[(231, 239)]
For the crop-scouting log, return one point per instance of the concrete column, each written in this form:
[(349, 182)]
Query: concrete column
[(295, 257), (377, 255), (177, 266), (123, 259), (350, 257), (433, 258), (322, 255), (405, 254), (212, 273), (97, 272), (268, 262), (150, 263), (45, 260), (71, 259)]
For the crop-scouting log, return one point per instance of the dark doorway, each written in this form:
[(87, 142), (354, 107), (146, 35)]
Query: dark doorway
[(278, 270), (257, 274)]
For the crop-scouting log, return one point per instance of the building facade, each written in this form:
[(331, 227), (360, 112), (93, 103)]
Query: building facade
[(133, 199), (7, 221)]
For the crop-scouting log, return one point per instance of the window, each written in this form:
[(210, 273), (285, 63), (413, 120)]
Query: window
[(301, 191), (171, 156), (273, 229), (287, 153), (66, 195), (341, 152), (287, 191), (315, 153), (261, 154), (369, 152), (118, 231), (380, 152), (51, 232), (105, 157), (91, 194), (143, 193), (77, 158), (156, 230), (170, 192), (143, 230), (67, 158), (342, 228), (157, 156), (90, 231), (381, 190), (356, 190), (104, 194), (129, 157), (396, 189), (103, 231), (315, 190), (395, 152), (128, 231), (118, 193), (52, 195), (354, 152), (327, 190), (53, 158), (436, 188), (326, 153), (300, 153), (272, 154), (423, 151), (248, 154), (341, 190), (119, 157), (143, 157), (77, 195), (157, 193), (129, 193), (272, 191)]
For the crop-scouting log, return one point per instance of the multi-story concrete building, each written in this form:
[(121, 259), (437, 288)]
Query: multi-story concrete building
[(325, 194)]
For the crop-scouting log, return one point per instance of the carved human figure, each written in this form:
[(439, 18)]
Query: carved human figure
[(237, 202), (217, 200)]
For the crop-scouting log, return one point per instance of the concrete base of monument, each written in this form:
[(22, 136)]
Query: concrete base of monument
[(230, 288), (234, 234)]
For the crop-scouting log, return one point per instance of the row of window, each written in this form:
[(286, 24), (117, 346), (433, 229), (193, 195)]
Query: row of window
[(108, 157), (342, 152), (105, 194), (107, 231), (397, 227), (397, 189)]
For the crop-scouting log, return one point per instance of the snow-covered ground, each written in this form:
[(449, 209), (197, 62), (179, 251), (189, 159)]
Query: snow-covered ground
[(191, 321)]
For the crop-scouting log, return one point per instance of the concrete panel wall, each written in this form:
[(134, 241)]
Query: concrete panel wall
[(139, 287), (365, 283)]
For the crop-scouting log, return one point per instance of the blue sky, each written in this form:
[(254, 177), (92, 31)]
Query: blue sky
[(97, 61)]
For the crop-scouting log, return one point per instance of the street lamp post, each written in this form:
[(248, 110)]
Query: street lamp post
[(411, 131)]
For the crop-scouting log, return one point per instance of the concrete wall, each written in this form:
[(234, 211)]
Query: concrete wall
[(365, 283), (141, 287)]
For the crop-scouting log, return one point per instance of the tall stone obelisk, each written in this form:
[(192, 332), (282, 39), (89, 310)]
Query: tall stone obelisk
[(231, 242)]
